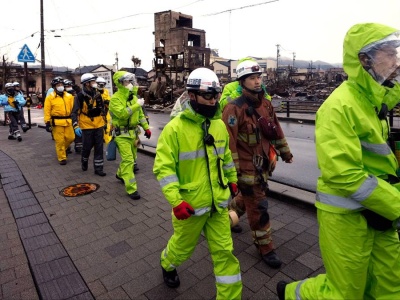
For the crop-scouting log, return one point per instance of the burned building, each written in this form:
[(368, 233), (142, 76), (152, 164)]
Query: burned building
[(179, 48)]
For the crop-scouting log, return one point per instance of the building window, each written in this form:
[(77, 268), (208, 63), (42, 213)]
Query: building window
[(220, 72)]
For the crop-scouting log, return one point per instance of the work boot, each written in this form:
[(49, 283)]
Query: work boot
[(135, 168), (63, 162), (237, 228), (100, 173), (25, 128), (272, 260), (84, 165), (119, 178), (280, 289), (135, 196), (68, 151), (11, 137), (171, 278), (18, 136)]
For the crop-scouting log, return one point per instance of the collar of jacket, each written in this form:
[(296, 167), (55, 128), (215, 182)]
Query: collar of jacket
[(254, 100)]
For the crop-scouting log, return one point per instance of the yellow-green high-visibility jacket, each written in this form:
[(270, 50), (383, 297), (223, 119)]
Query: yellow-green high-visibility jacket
[(351, 140), (125, 113), (187, 169)]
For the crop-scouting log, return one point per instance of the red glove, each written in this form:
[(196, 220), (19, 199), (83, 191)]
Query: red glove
[(234, 189), (183, 211), (147, 133)]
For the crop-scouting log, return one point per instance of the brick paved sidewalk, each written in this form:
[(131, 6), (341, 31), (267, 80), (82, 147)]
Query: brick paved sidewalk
[(106, 246)]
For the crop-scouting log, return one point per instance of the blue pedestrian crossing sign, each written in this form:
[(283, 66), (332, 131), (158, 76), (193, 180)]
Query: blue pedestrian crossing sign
[(26, 55)]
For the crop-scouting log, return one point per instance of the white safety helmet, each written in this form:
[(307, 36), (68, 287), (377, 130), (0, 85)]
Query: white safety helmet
[(128, 77), (87, 77), (15, 83), (203, 79), (101, 82), (8, 85), (246, 68)]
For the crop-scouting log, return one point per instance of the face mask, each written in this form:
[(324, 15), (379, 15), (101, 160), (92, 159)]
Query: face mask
[(94, 85), (10, 92), (207, 111), (68, 89), (129, 86), (60, 89)]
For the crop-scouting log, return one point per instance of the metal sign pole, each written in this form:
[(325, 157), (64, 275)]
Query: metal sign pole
[(28, 96)]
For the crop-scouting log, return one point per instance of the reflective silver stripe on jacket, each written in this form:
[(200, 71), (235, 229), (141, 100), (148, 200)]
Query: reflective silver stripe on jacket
[(382, 149), (352, 202), (228, 279), (129, 110), (168, 179), (228, 166), (191, 154)]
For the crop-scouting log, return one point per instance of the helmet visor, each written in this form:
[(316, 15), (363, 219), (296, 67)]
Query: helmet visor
[(128, 77), (384, 58)]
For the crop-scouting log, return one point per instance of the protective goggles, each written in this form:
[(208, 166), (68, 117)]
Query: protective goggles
[(209, 95), (128, 77)]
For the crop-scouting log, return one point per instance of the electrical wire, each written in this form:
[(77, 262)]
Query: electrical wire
[(230, 10)]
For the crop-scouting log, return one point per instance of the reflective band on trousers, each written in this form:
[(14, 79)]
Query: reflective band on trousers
[(352, 202), (297, 292), (381, 149), (228, 279)]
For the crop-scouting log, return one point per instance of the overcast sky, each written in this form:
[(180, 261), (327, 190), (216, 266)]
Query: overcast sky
[(91, 32)]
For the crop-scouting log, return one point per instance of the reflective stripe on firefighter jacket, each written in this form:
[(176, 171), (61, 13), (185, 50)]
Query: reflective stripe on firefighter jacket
[(181, 152)]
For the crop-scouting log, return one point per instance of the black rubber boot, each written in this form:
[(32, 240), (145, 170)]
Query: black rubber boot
[(237, 229), (171, 278), (280, 289), (272, 260), (100, 173), (135, 196), (84, 165)]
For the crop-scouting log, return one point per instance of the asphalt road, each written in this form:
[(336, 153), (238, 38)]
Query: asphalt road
[(302, 173)]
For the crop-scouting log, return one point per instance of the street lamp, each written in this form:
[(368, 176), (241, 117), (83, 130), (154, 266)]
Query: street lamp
[(43, 65)]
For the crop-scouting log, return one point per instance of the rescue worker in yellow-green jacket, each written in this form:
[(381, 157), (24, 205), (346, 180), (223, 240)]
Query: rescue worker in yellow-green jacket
[(89, 121), (233, 89), (57, 117), (195, 169), (126, 113), (358, 197)]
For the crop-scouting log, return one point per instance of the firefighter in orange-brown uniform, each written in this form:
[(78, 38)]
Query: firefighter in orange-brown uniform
[(255, 145)]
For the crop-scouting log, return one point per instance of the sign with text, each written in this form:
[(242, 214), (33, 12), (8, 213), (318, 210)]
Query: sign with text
[(108, 77)]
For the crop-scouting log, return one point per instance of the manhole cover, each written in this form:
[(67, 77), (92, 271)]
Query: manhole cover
[(79, 189)]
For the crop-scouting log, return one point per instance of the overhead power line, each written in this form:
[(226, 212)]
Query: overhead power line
[(230, 10)]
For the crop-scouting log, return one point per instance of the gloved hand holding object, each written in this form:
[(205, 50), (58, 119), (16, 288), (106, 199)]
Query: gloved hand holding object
[(147, 133), (78, 131), (140, 101), (234, 189), (183, 211), (48, 127)]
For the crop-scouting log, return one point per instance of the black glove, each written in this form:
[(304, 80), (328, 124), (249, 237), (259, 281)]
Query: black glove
[(376, 221), (48, 127)]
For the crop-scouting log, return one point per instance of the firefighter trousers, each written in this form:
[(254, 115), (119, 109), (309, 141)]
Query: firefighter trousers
[(252, 200), (127, 150)]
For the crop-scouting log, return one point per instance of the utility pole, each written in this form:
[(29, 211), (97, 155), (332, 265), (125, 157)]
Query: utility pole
[(277, 61), (43, 65), (116, 59), (294, 58)]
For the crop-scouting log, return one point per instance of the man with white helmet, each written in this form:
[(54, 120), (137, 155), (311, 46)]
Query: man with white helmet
[(12, 103), (57, 117), (126, 114), (253, 151), (195, 169), (88, 121), (21, 117), (68, 87), (105, 95)]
